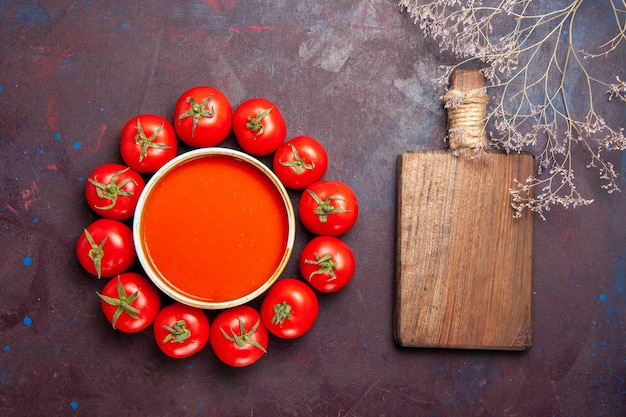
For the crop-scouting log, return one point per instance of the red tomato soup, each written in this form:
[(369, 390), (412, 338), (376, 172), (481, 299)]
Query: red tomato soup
[(214, 228)]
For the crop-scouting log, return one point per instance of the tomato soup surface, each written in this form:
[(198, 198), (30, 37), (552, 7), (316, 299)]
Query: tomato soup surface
[(214, 228)]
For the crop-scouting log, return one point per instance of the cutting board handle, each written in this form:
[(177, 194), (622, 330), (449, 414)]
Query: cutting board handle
[(466, 102)]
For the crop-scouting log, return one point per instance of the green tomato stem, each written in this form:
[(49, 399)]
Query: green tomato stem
[(148, 142), (282, 312), (123, 303), (326, 265), (178, 333), (244, 337), (298, 164), (197, 110), (254, 123), (96, 253), (325, 208), (112, 190)]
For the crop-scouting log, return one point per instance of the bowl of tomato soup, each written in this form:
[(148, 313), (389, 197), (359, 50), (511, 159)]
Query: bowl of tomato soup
[(214, 228)]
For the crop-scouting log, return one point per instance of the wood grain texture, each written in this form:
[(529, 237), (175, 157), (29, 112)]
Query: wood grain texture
[(463, 264)]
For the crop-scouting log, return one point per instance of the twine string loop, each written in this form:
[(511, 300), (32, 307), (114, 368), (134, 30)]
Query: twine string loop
[(466, 118)]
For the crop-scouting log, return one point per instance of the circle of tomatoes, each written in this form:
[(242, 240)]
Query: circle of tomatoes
[(289, 308), (259, 126), (181, 330), (238, 336), (203, 117), (327, 263), (130, 302), (112, 191), (328, 208), (106, 248), (148, 142), (300, 162)]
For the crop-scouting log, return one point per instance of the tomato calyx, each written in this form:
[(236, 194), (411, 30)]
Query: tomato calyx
[(326, 265), (178, 333), (244, 337), (282, 312), (325, 208), (148, 142), (123, 303), (254, 123), (96, 253), (112, 190), (298, 164), (197, 110)]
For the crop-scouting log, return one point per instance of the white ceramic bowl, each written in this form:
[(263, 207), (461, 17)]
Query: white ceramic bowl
[(214, 228)]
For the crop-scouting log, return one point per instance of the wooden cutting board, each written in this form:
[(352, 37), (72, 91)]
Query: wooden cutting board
[(463, 262)]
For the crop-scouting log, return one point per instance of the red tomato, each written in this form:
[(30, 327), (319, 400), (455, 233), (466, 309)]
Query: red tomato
[(180, 330), (148, 142), (105, 248), (259, 126), (328, 208), (130, 302), (300, 162), (203, 117), (112, 191), (327, 263), (238, 336), (289, 308)]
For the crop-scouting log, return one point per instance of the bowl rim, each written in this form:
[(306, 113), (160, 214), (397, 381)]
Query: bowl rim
[(175, 163)]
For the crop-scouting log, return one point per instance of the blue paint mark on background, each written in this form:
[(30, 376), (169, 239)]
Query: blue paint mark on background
[(27, 321), (27, 261), (32, 14), (77, 144), (57, 136), (616, 291), (68, 60), (74, 405), (6, 348)]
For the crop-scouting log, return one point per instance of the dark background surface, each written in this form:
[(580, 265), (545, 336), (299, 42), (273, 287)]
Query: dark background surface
[(357, 76)]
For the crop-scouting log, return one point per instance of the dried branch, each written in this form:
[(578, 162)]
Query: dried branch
[(532, 65)]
